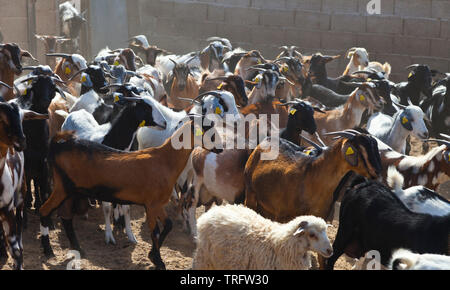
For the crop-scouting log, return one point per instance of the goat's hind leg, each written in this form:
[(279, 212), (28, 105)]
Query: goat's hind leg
[(11, 235), (154, 254)]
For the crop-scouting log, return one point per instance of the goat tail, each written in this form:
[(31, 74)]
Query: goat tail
[(395, 179)]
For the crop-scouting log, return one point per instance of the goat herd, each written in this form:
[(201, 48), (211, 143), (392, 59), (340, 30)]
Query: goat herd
[(105, 131)]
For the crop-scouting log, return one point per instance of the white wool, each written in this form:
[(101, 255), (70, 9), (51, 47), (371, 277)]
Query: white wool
[(233, 237), (412, 261)]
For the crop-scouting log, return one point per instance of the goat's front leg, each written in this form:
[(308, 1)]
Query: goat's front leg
[(154, 255), (10, 229), (45, 238)]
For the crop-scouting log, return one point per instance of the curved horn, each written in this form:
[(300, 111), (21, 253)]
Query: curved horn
[(29, 68), (29, 79), (345, 134), (445, 136), (285, 79), (191, 58), (282, 59), (412, 66), (190, 100), (63, 55), (399, 105), (439, 141), (5, 85), (287, 104), (77, 73), (58, 80), (257, 68), (318, 147), (216, 94), (174, 62)]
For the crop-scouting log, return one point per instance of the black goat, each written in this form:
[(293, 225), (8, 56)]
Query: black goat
[(373, 218), (419, 82)]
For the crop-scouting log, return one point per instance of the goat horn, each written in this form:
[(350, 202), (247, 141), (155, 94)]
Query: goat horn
[(190, 100), (63, 55), (5, 85), (285, 79), (287, 104), (29, 68), (28, 79), (174, 62), (77, 73), (61, 92), (284, 47), (312, 143), (320, 140), (282, 59), (112, 86), (445, 136), (399, 105), (439, 141), (412, 66), (344, 134), (215, 94)]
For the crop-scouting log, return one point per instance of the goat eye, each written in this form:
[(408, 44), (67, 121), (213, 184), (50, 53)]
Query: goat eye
[(312, 236)]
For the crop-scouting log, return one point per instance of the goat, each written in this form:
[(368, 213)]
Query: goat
[(221, 176), (359, 60), (403, 259), (10, 64), (429, 170), (290, 51), (67, 67), (417, 198), (71, 21), (151, 80), (74, 162), (291, 184), (350, 115), (51, 43), (12, 144), (292, 70), (419, 82), (231, 58), (231, 83), (394, 130), (211, 57), (181, 84), (250, 59), (373, 218), (234, 237)]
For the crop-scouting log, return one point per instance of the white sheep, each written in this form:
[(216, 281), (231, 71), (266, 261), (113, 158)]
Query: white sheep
[(403, 259), (233, 237)]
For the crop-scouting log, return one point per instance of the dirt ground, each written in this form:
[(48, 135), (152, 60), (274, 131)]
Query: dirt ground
[(176, 252)]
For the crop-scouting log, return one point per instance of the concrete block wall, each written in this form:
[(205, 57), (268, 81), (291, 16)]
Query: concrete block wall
[(406, 31), (14, 24)]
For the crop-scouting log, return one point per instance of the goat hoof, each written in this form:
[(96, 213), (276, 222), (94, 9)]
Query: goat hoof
[(132, 239), (49, 253), (110, 240)]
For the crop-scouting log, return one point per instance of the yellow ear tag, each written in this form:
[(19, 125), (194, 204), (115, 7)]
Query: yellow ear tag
[(349, 151), (29, 82), (308, 152), (285, 68), (116, 98), (24, 93), (68, 71), (410, 75), (369, 79), (218, 111), (257, 79), (361, 98), (405, 120), (259, 61), (293, 111), (83, 79), (198, 132), (142, 124), (220, 86), (116, 63)]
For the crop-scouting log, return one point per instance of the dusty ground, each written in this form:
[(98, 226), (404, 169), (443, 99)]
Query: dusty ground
[(176, 252)]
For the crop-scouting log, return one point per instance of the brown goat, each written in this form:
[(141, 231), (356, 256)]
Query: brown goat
[(67, 67), (51, 43), (231, 83), (10, 64), (252, 58), (181, 85), (145, 177), (296, 183)]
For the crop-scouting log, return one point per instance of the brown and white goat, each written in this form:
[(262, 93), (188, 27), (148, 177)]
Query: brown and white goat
[(359, 60), (231, 83), (10, 64), (67, 67), (350, 115), (12, 143), (296, 183), (144, 177), (429, 170)]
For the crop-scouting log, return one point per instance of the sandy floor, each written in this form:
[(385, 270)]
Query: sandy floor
[(176, 252)]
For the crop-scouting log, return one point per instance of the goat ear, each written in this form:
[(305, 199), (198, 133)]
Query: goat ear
[(447, 156), (330, 58), (350, 154), (301, 228), (406, 122), (30, 115)]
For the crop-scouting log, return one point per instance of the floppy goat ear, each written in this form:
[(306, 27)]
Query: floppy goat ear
[(350, 153), (31, 115)]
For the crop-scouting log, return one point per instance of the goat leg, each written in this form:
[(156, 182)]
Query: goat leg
[(8, 218), (45, 239), (68, 227)]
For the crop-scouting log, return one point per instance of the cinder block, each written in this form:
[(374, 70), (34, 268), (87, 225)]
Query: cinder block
[(411, 45), (14, 29), (166, 26), (348, 22), (156, 8), (422, 27), (13, 8), (276, 17), (303, 38), (244, 16), (387, 7), (150, 23), (216, 13), (263, 35), (313, 20), (338, 40), (440, 9), (384, 24), (441, 64), (311, 5), (269, 4), (235, 33), (234, 3), (195, 11), (440, 48), (200, 30), (445, 29), (376, 42), (340, 6), (413, 8)]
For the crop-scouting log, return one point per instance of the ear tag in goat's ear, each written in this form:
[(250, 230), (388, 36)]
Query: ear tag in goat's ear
[(308, 152), (29, 82), (285, 68), (142, 124), (349, 151), (259, 61), (24, 93), (218, 111), (116, 98), (67, 71), (404, 120), (369, 79), (220, 86), (293, 111), (116, 63), (257, 79), (83, 79), (410, 75), (362, 98), (198, 132)]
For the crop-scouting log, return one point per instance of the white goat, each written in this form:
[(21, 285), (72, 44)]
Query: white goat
[(403, 259), (359, 60), (394, 130), (417, 198), (233, 237), (151, 81)]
